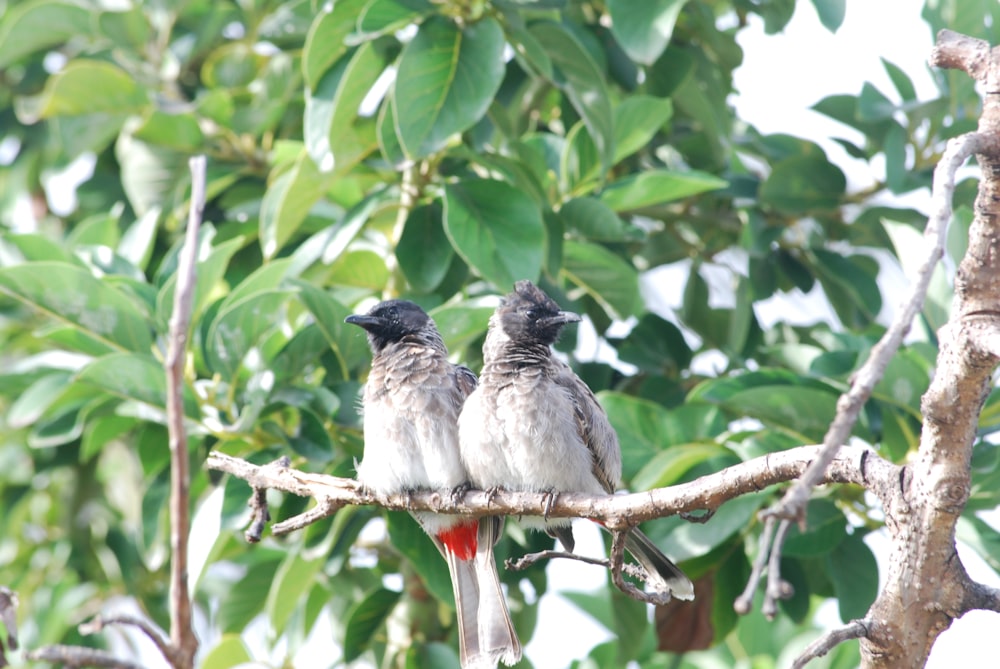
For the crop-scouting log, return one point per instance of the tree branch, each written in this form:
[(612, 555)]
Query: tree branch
[(98, 623), (182, 637), (79, 656), (856, 629), (857, 466)]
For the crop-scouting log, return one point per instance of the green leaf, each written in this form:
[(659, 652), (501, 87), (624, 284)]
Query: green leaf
[(137, 241), (850, 285), (901, 80), (233, 65), (89, 87), (33, 402), (446, 81), (831, 13), (293, 580), (209, 271), (655, 345), (179, 131), (238, 328), (854, 573), (801, 184), (579, 77), (230, 651), (668, 466), (653, 187), (873, 105), (381, 17), (799, 404), (136, 377), (365, 619), (28, 27), (151, 175), (245, 600), (407, 536), (325, 43), (646, 428), (496, 229), (335, 137), (826, 528), (423, 251), (606, 277), (348, 344), (687, 540), (592, 219), (363, 268), (637, 119), (981, 537), (74, 297), (311, 440), (460, 325), (643, 29), (287, 201)]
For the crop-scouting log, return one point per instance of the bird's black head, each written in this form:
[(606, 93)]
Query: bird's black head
[(529, 315), (393, 321)]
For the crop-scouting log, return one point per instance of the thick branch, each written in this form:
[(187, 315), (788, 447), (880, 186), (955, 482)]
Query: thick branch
[(79, 656), (182, 637), (856, 466)]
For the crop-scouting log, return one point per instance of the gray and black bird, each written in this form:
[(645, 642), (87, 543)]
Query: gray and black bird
[(533, 425), (411, 404)]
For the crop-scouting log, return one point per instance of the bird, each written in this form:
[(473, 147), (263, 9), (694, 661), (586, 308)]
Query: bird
[(410, 407), (533, 425)]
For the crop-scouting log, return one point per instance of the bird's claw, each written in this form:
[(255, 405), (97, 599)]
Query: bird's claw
[(459, 491), (549, 498)]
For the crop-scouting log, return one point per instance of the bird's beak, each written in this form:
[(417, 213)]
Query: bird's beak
[(363, 320), (561, 318)]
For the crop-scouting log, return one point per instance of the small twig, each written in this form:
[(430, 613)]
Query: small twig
[(526, 561), (618, 566), (699, 517), (324, 509), (856, 629), (777, 588), (98, 623), (744, 602), (79, 656), (182, 636)]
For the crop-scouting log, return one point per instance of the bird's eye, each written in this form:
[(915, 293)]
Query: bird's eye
[(531, 314)]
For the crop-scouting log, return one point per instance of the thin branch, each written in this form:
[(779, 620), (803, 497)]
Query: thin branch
[(526, 561), (98, 623), (79, 656), (181, 631), (744, 602), (708, 492), (856, 629), (792, 506), (777, 588), (979, 596), (323, 509), (618, 566)]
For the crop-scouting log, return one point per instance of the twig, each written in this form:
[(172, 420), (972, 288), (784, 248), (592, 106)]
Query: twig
[(777, 588), (526, 561), (260, 516), (79, 656), (182, 636), (856, 629), (8, 615), (617, 565), (745, 600), (98, 623), (324, 509)]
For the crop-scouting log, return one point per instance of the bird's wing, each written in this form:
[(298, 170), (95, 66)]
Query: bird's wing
[(465, 380), (594, 429)]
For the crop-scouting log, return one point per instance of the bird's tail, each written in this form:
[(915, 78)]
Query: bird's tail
[(664, 574), (485, 633)]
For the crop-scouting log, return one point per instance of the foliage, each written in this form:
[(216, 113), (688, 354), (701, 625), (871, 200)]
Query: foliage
[(435, 150)]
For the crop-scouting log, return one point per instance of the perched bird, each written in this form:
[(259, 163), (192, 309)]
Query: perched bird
[(533, 425), (411, 404)]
